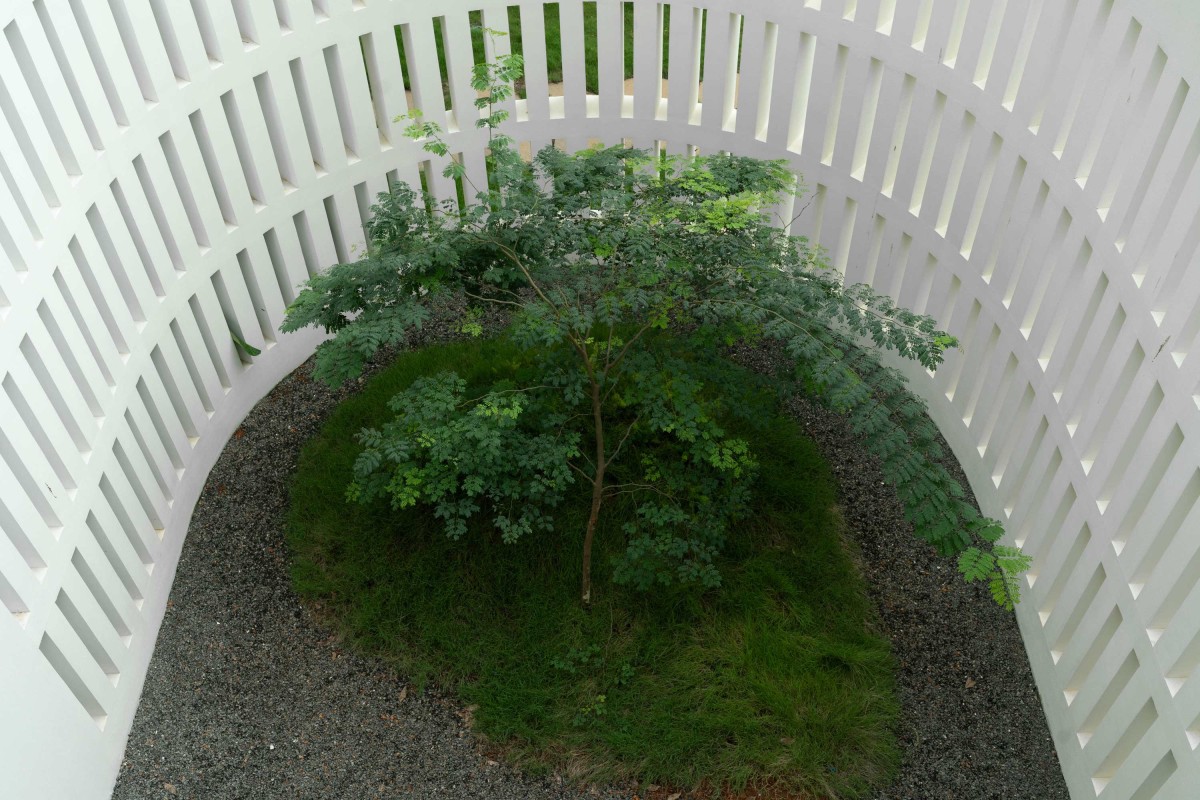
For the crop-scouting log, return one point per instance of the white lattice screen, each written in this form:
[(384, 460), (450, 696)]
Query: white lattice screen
[(1025, 170)]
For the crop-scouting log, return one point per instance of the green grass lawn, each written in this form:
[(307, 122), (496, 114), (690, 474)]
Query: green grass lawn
[(774, 679)]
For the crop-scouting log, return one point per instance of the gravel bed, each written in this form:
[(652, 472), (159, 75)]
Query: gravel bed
[(248, 696)]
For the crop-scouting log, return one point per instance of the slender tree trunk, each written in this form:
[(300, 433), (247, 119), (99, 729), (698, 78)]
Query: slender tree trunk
[(597, 496)]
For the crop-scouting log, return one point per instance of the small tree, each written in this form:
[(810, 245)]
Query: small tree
[(599, 256)]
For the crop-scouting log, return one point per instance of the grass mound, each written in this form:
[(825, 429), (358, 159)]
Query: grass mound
[(772, 680)]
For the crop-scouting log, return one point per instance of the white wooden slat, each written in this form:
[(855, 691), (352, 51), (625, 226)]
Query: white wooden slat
[(1111, 87), (387, 82), (81, 610), (920, 135), (42, 60), (121, 317), (533, 49), (92, 567), (172, 370), (1029, 87), (133, 522), (105, 528), (25, 400), (456, 33), (152, 502), (144, 32), (574, 69), (610, 54), (349, 83), (79, 670), (233, 187), (151, 447), (167, 419), (647, 59), (51, 375), (784, 70)]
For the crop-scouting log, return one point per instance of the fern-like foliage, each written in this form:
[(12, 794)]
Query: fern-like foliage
[(594, 252)]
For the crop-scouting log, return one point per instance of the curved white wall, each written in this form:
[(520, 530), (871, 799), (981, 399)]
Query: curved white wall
[(1024, 170)]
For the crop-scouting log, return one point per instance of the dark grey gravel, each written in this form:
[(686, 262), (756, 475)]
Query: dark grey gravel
[(248, 696)]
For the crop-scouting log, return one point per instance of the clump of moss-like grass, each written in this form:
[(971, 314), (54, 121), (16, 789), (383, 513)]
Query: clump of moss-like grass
[(774, 679)]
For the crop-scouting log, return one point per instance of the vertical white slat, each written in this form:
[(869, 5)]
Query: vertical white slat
[(59, 386), (855, 86), (456, 34), (1090, 342), (151, 448), (22, 521), (220, 157), (498, 47), (1148, 537), (387, 83), (717, 34), (574, 72), (153, 186), (39, 473), (93, 568), (152, 502), (287, 258), (266, 298), (64, 330), (172, 371), (350, 85), (1061, 102), (610, 54), (1028, 88), (135, 232), (821, 99), (39, 62), (329, 148), (166, 420), (80, 600), (109, 534), (1108, 82), (647, 59), (42, 139), (684, 64), (93, 330), (59, 22), (180, 21), (783, 90), (128, 510), (921, 132), (217, 330), (904, 21), (122, 256), (997, 206), (77, 667), (942, 19), (533, 49), (31, 188), (1126, 143), (426, 81), (280, 105), (108, 48), (756, 77), (1009, 252), (978, 171), (197, 187), (191, 344), (28, 403), (144, 31)]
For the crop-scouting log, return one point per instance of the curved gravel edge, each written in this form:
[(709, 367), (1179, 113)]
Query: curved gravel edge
[(248, 696)]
